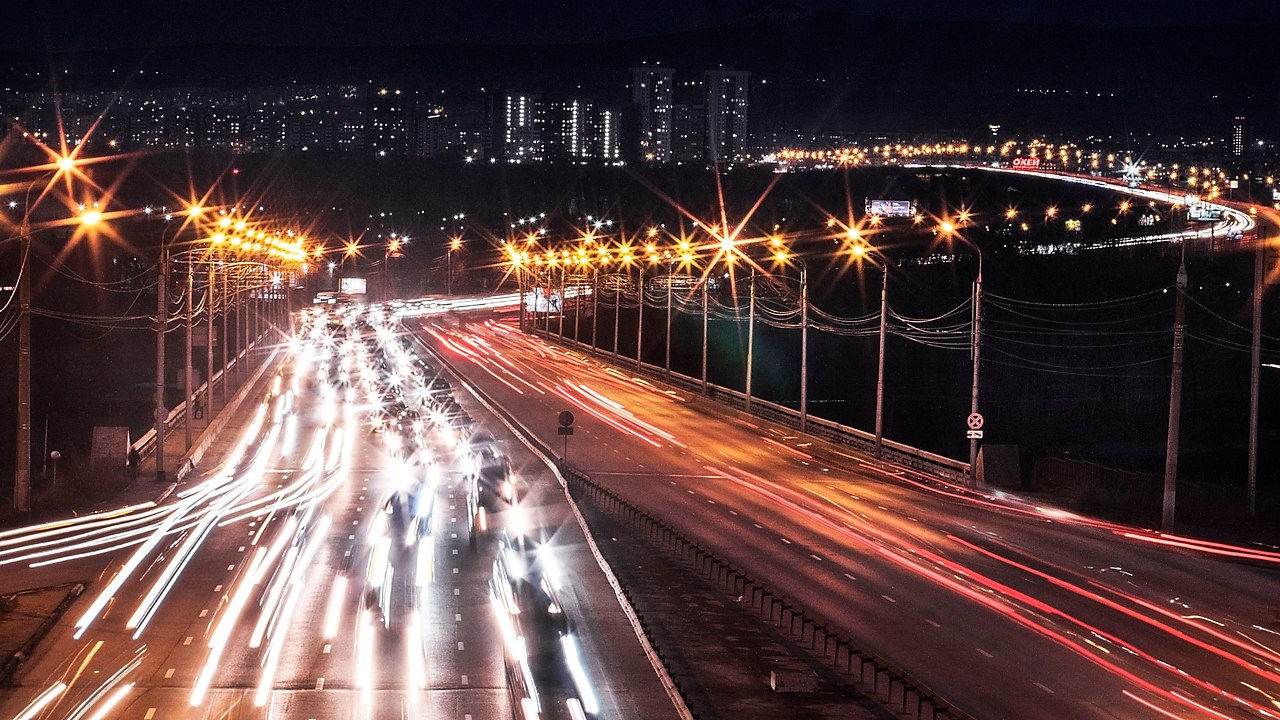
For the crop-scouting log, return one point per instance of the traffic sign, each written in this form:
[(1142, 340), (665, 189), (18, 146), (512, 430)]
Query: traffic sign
[(973, 434), (974, 421), (567, 430), (566, 418)]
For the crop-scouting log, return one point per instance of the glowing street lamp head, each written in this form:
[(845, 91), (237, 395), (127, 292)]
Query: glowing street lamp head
[(455, 243), (90, 217), (947, 227), (66, 164)]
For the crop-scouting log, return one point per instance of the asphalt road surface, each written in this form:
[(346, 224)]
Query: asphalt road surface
[(325, 569), (1006, 609)]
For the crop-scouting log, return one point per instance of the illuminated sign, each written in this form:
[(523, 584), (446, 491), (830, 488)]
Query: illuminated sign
[(353, 286), (1025, 163), (891, 208)]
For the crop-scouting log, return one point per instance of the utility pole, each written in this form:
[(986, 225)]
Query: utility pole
[(804, 348), (884, 321), (1255, 366), (704, 336), (977, 352), (211, 277), (22, 476), (668, 366), (162, 316), (751, 332), (190, 391), (640, 314), (1175, 400), (225, 307)]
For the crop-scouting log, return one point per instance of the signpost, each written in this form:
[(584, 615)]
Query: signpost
[(974, 422), (565, 430)]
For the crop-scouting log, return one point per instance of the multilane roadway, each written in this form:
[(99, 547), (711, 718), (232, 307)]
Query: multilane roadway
[(1006, 609), (247, 594)]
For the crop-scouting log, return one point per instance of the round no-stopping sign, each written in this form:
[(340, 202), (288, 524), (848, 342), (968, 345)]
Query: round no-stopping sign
[(566, 418), (974, 421)]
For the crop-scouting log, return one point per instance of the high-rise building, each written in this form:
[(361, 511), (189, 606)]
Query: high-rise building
[(390, 122), (1240, 136), (689, 134), (652, 91), (609, 135), (519, 121), (727, 115)]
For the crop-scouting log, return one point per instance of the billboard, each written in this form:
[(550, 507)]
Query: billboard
[(1203, 212), (1025, 163), (352, 286), (891, 208)]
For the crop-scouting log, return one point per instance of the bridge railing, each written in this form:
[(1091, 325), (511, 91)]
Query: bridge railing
[(896, 452)]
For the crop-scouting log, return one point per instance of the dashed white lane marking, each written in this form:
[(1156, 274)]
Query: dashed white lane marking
[(785, 540), (327, 649), (886, 597), (351, 537), (453, 535), (456, 591), (464, 682), (758, 526), (455, 551), (151, 712), (850, 576), (933, 623), (217, 588), (187, 640), (713, 502), (457, 617), (204, 612), (460, 645), (815, 557), (984, 652), (241, 549), (319, 683), (231, 567), (455, 571), (355, 522), (1043, 687), (733, 512), (169, 673)]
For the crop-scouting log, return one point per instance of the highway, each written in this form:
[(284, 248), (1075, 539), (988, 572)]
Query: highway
[(1006, 609), (333, 565)]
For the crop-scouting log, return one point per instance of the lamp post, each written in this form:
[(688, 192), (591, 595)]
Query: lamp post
[(187, 381), (639, 313), (705, 291), (668, 335), (751, 332), (22, 455), (951, 230)]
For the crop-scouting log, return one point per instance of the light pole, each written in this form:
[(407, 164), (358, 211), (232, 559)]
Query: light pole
[(639, 312), (951, 230), (705, 289), (188, 416), (1167, 515), (861, 250), (22, 457), (751, 332), (668, 334)]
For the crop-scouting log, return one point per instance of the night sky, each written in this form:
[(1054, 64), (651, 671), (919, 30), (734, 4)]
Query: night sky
[(76, 24)]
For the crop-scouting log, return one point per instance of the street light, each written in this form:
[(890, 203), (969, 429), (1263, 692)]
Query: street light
[(950, 230), (860, 251), (455, 244), (782, 256), (22, 471)]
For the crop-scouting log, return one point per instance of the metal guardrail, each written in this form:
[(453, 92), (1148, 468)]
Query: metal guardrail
[(887, 683), (896, 452)]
